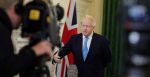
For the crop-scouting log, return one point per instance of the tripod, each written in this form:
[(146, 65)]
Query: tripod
[(42, 69)]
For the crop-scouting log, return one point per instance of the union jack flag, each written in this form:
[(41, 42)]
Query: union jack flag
[(70, 28)]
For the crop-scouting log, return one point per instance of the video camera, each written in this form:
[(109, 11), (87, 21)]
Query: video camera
[(40, 20)]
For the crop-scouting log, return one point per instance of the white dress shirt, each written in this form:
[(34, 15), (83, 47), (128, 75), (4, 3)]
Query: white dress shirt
[(89, 40)]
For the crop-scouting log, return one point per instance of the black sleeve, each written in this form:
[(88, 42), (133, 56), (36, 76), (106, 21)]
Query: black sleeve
[(18, 63), (67, 48), (11, 64)]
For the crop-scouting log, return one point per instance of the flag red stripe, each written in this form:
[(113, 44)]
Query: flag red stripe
[(63, 67), (69, 8), (67, 34), (71, 58)]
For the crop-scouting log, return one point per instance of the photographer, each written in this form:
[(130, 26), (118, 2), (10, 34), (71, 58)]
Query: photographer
[(11, 64)]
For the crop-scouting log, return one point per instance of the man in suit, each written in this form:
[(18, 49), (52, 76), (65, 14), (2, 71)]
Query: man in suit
[(91, 51)]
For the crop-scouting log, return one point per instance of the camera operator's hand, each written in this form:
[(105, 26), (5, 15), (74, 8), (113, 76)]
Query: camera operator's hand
[(42, 48), (56, 58)]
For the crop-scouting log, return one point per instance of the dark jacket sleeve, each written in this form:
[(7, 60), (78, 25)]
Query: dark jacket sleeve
[(67, 48), (11, 64)]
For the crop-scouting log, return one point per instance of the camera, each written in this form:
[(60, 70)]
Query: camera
[(40, 22)]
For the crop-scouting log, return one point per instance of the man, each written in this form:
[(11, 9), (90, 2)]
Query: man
[(91, 51), (11, 64)]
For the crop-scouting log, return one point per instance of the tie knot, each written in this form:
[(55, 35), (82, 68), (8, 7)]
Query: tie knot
[(86, 37)]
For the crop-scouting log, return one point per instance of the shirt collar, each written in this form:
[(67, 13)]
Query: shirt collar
[(90, 36)]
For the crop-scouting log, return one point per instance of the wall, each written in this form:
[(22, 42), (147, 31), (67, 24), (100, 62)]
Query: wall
[(91, 7)]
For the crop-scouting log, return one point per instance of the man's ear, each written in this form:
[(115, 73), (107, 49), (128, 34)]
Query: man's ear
[(93, 27)]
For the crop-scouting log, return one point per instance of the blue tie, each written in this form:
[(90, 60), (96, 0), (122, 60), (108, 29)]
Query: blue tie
[(85, 48)]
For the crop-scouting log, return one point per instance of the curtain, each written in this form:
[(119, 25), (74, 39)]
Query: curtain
[(112, 31)]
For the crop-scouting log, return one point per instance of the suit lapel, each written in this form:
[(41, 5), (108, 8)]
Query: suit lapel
[(80, 47), (91, 47)]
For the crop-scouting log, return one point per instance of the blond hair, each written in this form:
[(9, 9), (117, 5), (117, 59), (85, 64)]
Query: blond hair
[(5, 4), (89, 17)]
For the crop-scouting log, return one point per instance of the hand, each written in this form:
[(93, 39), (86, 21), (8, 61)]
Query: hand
[(56, 57), (42, 48)]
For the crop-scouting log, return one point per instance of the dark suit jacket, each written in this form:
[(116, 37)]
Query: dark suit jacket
[(98, 57)]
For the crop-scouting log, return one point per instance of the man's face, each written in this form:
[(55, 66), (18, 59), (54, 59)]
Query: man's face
[(87, 27)]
